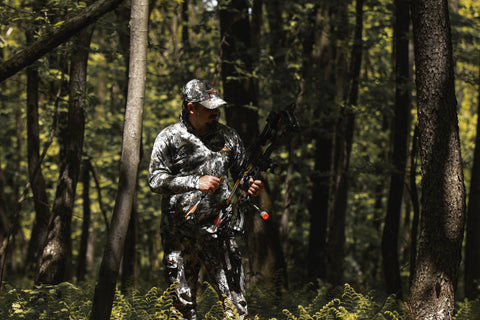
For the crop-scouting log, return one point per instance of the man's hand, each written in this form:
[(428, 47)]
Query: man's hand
[(256, 186), (208, 184)]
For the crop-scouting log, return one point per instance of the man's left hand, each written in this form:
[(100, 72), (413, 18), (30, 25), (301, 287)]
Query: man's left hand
[(256, 186)]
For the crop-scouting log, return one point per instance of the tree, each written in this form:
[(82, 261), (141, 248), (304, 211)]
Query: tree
[(37, 180), (49, 41), (398, 156), (343, 148), (293, 54), (263, 245), (472, 259), (82, 253), (132, 132), (4, 227), (443, 193), (323, 88), (277, 12), (56, 260)]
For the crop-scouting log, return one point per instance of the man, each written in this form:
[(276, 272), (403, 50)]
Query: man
[(189, 166)]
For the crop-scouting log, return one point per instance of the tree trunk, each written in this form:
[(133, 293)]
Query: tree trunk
[(343, 147), (49, 41), (130, 158), (37, 181), (472, 258), (129, 261), (265, 255), (318, 210), (56, 264), (4, 227), (82, 252), (128, 276), (432, 295), (16, 231), (280, 80), (239, 91), (415, 205), (400, 131), (323, 89), (185, 23)]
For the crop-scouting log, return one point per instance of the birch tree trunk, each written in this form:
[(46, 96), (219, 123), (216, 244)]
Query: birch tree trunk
[(132, 132)]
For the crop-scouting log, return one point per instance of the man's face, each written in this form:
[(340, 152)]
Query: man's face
[(204, 115), (202, 118)]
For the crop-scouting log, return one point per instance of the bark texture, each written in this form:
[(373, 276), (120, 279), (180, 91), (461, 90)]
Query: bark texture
[(129, 161), (37, 181), (432, 295), (56, 261)]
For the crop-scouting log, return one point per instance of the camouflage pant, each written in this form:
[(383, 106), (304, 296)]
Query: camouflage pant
[(221, 260)]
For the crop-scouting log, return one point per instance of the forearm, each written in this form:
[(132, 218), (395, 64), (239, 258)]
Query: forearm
[(165, 183)]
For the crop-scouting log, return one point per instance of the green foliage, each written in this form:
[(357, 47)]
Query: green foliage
[(349, 305), (65, 301), (278, 71), (208, 301), (154, 304), (467, 310)]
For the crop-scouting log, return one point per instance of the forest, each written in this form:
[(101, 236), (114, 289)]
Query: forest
[(374, 205)]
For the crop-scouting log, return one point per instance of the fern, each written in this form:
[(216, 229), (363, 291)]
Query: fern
[(121, 308), (468, 310), (216, 312), (45, 302), (264, 300), (321, 299), (164, 308), (66, 301), (154, 304), (207, 300), (349, 305), (230, 309)]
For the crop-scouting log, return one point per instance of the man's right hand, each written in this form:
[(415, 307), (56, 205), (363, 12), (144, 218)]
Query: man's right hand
[(208, 184)]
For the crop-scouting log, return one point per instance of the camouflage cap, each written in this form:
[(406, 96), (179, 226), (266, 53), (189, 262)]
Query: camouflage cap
[(201, 91)]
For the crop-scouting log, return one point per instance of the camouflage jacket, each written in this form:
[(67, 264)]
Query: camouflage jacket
[(179, 158)]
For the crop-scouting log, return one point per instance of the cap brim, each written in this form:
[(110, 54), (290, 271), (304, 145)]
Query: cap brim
[(213, 103)]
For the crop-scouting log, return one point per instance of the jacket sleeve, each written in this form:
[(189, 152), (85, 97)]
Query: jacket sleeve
[(240, 158), (161, 178)]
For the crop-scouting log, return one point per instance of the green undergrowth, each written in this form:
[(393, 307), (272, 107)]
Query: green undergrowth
[(66, 301)]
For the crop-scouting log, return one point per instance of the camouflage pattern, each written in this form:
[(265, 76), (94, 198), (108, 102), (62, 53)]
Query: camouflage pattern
[(179, 158), (202, 91), (221, 259)]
